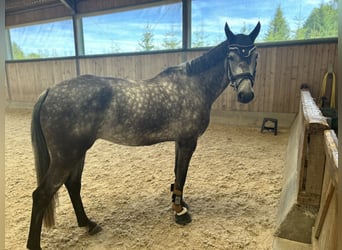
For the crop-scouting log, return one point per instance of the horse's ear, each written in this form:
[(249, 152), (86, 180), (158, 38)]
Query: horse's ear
[(255, 32), (229, 33)]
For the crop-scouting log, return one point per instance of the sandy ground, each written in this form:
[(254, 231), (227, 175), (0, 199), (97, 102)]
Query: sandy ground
[(233, 188)]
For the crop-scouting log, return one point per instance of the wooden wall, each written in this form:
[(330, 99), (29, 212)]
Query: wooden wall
[(280, 72), (26, 80), (131, 66)]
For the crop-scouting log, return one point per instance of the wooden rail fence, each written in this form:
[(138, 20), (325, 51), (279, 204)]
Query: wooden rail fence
[(308, 199), (325, 233)]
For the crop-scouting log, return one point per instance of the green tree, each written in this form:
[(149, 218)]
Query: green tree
[(33, 55), (170, 40), (279, 29), (199, 38), (17, 52), (322, 22), (245, 29), (299, 21), (146, 42)]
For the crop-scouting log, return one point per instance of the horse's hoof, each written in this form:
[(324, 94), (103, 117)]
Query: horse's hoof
[(33, 248), (183, 219), (94, 230), (184, 204)]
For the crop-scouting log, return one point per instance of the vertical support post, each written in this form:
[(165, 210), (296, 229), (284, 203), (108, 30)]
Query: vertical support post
[(9, 52), (339, 191), (79, 41), (186, 27), (78, 35), (2, 123)]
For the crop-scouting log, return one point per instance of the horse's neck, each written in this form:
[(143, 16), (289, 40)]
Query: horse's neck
[(209, 70), (214, 82)]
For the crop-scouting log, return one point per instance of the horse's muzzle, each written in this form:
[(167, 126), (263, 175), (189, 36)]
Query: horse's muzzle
[(245, 92)]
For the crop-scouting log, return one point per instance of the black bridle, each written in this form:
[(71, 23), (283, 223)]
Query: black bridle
[(245, 52)]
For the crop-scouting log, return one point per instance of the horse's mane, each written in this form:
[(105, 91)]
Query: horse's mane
[(208, 59), (201, 63)]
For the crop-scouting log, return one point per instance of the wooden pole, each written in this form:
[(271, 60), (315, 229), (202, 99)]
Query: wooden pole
[(339, 222), (2, 123)]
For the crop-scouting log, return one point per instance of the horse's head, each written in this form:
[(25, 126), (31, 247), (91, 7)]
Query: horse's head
[(241, 62)]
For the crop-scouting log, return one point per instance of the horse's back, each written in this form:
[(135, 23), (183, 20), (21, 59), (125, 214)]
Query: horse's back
[(73, 111), (86, 108)]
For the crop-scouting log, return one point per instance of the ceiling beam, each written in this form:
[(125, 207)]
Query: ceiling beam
[(71, 4), (13, 6)]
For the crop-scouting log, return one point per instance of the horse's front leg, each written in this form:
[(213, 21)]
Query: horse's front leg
[(184, 151)]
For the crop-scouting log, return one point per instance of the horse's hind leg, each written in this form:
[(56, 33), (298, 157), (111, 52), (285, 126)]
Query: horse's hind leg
[(73, 185), (42, 196), (184, 151)]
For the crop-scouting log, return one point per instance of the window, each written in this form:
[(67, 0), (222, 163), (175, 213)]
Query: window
[(280, 21), (146, 29), (43, 40), (160, 27)]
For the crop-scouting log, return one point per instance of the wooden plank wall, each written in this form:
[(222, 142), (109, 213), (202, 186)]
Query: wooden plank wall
[(26, 80), (131, 67), (280, 72)]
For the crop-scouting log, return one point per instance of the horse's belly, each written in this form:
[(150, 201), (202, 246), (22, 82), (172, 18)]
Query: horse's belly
[(132, 137), (140, 135)]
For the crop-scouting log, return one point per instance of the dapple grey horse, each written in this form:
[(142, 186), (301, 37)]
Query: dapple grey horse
[(173, 106)]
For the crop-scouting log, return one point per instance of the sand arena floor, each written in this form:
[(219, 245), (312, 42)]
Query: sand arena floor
[(233, 188)]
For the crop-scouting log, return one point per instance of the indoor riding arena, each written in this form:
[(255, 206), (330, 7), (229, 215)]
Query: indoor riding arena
[(150, 93)]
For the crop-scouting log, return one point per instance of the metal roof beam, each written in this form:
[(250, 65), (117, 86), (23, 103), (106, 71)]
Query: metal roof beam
[(71, 4)]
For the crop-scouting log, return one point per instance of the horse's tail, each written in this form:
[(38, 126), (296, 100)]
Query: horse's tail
[(42, 156)]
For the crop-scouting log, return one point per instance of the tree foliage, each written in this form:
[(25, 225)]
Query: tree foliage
[(279, 29), (322, 22), (146, 42), (245, 29), (199, 39), (170, 40), (18, 53)]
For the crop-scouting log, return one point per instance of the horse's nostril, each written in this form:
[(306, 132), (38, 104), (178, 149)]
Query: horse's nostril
[(245, 97)]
